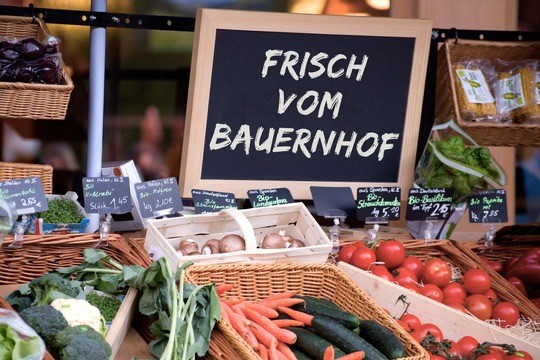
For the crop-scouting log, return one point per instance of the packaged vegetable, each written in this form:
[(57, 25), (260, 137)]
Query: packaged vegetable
[(18, 341)]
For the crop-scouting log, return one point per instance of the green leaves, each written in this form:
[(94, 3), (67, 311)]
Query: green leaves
[(61, 210)]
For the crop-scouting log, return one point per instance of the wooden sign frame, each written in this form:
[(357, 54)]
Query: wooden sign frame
[(209, 21)]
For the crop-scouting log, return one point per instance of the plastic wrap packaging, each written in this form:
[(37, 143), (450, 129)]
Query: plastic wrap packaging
[(19, 340)]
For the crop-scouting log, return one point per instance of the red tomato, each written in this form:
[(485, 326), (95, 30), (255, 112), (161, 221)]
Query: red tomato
[(506, 312), (404, 325), (382, 271), (391, 252), (412, 321), (359, 244), (476, 281), (467, 344), (518, 284), (479, 305), (417, 336), (454, 349), (430, 328), (414, 264), (438, 272), (455, 303), (491, 356), (405, 277), (454, 290), (363, 257), (432, 291), (519, 355), (492, 296), (346, 252), (435, 357)]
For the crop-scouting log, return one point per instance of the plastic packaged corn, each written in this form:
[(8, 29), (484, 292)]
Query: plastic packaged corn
[(474, 81), (515, 91)]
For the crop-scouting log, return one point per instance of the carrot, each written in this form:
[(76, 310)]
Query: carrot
[(280, 295), (263, 310), (263, 352), (283, 335), (288, 302), (281, 356), (357, 355), (262, 335), (286, 351), (273, 352), (238, 324), (284, 323), (251, 339), (223, 288), (306, 319), (238, 310), (232, 301), (329, 353)]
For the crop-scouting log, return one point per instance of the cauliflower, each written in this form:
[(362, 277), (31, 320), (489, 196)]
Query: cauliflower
[(80, 312)]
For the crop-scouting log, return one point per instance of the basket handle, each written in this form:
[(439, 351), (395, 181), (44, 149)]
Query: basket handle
[(244, 225)]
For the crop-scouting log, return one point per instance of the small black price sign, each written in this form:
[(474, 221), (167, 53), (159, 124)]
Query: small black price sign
[(488, 206), (158, 197), (212, 201), (424, 204), (269, 197), (378, 202), (25, 195), (106, 195)]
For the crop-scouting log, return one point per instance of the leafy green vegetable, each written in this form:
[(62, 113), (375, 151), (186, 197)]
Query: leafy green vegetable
[(61, 210), (17, 346), (108, 305)]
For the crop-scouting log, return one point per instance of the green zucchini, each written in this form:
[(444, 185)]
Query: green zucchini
[(382, 338), (312, 344), (318, 299), (344, 338), (300, 355), (314, 306)]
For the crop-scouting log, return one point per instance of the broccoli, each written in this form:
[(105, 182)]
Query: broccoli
[(51, 286), (107, 305), (79, 343), (45, 320)]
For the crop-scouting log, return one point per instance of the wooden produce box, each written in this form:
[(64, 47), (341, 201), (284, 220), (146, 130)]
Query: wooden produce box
[(163, 236), (256, 281), (453, 323)]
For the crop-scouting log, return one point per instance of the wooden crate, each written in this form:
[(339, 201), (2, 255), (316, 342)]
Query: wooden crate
[(256, 281), (163, 236), (452, 323)]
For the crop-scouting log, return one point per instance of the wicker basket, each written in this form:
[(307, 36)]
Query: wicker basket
[(255, 281), (10, 171), (446, 104), (33, 101)]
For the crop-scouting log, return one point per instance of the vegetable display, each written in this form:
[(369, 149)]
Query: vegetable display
[(61, 211)]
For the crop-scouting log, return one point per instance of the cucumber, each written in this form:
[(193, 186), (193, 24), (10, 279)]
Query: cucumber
[(315, 306), (312, 344), (300, 355), (382, 338), (344, 338), (318, 299)]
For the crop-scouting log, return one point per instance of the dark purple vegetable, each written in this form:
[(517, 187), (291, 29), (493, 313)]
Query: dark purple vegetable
[(30, 49)]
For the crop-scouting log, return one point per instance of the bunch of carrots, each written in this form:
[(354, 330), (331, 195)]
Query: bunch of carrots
[(258, 323)]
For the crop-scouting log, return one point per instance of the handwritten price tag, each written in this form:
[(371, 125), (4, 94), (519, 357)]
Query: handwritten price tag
[(423, 204), (158, 197), (269, 197), (489, 206), (25, 195), (212, 201), (106, 195), (378, 202)]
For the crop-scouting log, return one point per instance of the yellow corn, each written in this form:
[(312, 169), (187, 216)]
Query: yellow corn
[(524, 113), (472, 111)]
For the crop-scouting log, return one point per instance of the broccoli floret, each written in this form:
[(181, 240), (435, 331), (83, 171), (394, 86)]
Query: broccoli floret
[(51, 286), (45, 320), (81, 342)]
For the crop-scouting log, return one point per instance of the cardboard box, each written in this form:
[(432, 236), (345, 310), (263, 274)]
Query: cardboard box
[(163, 236)]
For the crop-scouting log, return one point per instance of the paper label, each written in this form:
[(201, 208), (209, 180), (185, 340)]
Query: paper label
[(510, 94), (475, 86)]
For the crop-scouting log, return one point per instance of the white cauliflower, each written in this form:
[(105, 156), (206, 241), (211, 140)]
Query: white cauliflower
[(80, 312)]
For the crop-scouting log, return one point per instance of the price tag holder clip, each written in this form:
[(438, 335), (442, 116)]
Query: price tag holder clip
[(104, 230), (428, 235), (20, 230)]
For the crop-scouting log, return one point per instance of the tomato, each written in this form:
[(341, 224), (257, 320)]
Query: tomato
[(405, 277), (412, 321), (454, 290), (476, 281), (518, 284), (417, 336), (438, 272), (506, 312), (359, 244), (363, 257), (519, 355), (455, 303), (382, 272), (467, 344), (454, 349), (346, 252), (403, 325), (430, 328), (492, 296), (414, 264), (436, 357), (432, 291), (391, 252), (491, 356), (479, 305)]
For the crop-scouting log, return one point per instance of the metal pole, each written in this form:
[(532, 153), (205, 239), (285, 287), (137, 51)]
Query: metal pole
[(98, 41)]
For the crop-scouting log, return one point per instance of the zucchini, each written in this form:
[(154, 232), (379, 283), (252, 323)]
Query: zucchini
[(344, 338), (312, 344), (315, 306), (318, 299), (300, 355), (382, 338)]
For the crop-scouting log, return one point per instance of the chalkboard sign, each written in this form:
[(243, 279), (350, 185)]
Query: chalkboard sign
[(429, 204), (295, 100), (212, 201), (25, 195), (158, 197), (333, 201), (488, 206), (269, 197), (378, 203), (106, 195)]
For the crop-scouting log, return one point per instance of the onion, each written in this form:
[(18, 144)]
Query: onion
[(210, 247), (273, 241), (231, 242)]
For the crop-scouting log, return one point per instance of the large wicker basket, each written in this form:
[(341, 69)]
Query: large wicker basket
[(10, 171), (255, 281), (32, 101), (446, 104)]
